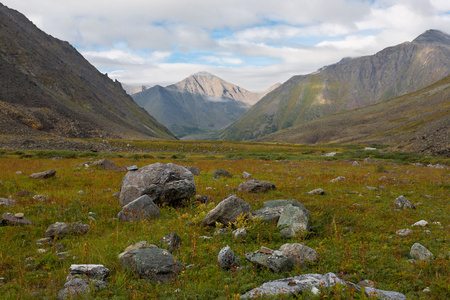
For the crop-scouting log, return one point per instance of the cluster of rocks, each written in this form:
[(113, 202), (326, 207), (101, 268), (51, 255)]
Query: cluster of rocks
[(82, 278)]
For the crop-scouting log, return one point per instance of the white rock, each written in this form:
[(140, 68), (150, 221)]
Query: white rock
[(420, 223)]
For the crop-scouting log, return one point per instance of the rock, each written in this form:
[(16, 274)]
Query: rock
[(204, 199), (385, 295), (140, 245), (226, 259), (240, 233), (365, 283), (355, 164), (105, 164), (167, 184), (402, 202), (246, 175), (256, 186), (221, 173), (194, 170), (80, 192), (142, 208), (60, 229), (222, 231), (269, 214), (19, 215), (43, 175), (6, 202), (281, 202), (133, 168), (293, 219), (22, 194), (79, 286), (404, 232), (338, 179), (41, 197), (421, 223), (367, 160), (12, 220), (227, 211), (172, 242), (275, 261), (45, 241), (92, 271), (299, 254), (153, 264), (294, 285), (370, 188), (419, 252), (316, 192)]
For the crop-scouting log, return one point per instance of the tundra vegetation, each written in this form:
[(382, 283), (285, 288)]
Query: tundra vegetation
[(353, 224)]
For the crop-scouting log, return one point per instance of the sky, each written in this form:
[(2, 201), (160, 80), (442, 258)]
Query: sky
[(251, 43)]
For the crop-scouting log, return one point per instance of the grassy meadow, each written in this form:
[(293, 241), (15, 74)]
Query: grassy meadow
[(353, 228)]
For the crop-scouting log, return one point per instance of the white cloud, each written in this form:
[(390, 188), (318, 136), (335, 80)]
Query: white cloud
[(258, 43)]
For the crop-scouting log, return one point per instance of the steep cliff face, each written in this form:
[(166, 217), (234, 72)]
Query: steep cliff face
[(197, 106), (47, 81), (347, 85)]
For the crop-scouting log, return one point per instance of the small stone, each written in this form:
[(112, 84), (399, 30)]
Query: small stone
[(6, 202), (226, 259), (318, 191), (222, 231), (221, 173), (19, 173), (172, 241), (132, 168), (338, 179), (41, 250), (45, 241), (43, 175), (19, 215), (421, 223), (404, 232), (240, 233), (419, 252), (80, 192), (404, 203), (246, 175), (194, 170), (426, 290)]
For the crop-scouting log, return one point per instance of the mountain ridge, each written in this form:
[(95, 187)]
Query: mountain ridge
[(76, 100), (344, 86)]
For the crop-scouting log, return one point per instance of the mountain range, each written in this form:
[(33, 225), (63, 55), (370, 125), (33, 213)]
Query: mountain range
[(48, 88), (198, 106), (347, 85)]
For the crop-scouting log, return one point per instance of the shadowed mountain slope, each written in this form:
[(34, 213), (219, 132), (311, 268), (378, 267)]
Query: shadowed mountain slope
[(47, 87), (417, 122), (347, 85)]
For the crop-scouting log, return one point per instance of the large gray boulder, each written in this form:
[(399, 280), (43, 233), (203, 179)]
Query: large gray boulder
[(140, 209), (293, 285), (299, 254), (419, 252), (153, 264), (227, 211), (256, 186), (274, 260), (293, 220), (167, 184)]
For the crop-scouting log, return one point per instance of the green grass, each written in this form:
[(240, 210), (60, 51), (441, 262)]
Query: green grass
[(354, 241)]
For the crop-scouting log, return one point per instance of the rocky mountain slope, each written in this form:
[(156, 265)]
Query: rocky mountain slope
[(197, 106), (417, 122), (347, 85), (48, 88)]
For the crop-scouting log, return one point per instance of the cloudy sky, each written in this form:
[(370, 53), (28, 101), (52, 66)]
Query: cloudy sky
[(251, 43)]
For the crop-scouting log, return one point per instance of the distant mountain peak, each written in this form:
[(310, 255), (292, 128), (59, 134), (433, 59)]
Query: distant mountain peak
[(433, 36), (204, 74)]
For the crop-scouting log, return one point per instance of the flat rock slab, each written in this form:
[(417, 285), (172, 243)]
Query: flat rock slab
[(92, 271), (385, 295), (299, 254), (293, 285), (256, 186), (43, 175), (12, 220), (167, 184), (153, 264), (275, 261), (60, 229)]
